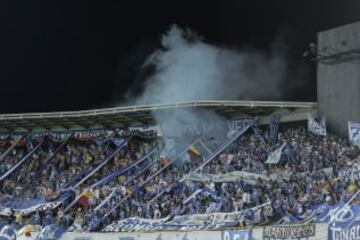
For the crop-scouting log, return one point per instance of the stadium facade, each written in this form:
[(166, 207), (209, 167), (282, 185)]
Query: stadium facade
[(122, 117), (338, 76)]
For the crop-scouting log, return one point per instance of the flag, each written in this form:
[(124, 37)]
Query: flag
[(192, 150), (85, 198), (315, 127), (118, 141), (274, 157), (354, 133)]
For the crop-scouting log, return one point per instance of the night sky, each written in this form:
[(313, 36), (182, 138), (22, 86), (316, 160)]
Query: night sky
[(72, 55)]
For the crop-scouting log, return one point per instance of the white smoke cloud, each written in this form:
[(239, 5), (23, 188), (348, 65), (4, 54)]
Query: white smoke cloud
[(186, 69), (189, 69)]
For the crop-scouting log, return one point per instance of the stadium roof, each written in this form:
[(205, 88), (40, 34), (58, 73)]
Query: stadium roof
[(131, 115)]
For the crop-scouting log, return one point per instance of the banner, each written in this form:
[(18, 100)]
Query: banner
[(351, 173), (237, 235), (27, 207), (315, 127), (195, 222), (354, 133), (179, 223), (349, 232), (145, 132), (289, 231), (142, 131), (274, 128), (134, 224), (274, 157), (237, 124), (344, 223), (279, 176), (226, 177)]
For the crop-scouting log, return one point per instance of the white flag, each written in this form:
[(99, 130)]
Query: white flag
[(354, 133), (315, 127), (274, 157)]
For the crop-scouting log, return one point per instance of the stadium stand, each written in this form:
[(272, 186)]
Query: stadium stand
[(244, 173)]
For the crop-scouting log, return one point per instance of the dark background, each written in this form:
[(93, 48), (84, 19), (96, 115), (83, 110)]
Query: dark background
[(72, 55)]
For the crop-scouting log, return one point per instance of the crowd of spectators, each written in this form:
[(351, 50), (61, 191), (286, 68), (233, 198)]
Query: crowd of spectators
[(154, 187)]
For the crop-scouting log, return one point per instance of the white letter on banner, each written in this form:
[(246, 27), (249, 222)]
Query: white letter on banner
[(226, 235)]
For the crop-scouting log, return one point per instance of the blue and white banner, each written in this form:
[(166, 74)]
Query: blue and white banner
[(27, 207), (296, 231), (274, 128), (234, 176), (237, 235), (101, 141), (336, 215), (354, 133), (212, 221), (237, 124), (318, 128), (143, 131), (350, 173), (345, 224), (135, 224), (274, 157), (344, 231)]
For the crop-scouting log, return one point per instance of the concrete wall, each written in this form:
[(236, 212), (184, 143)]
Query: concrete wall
[(321, 233), (339, 83)]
